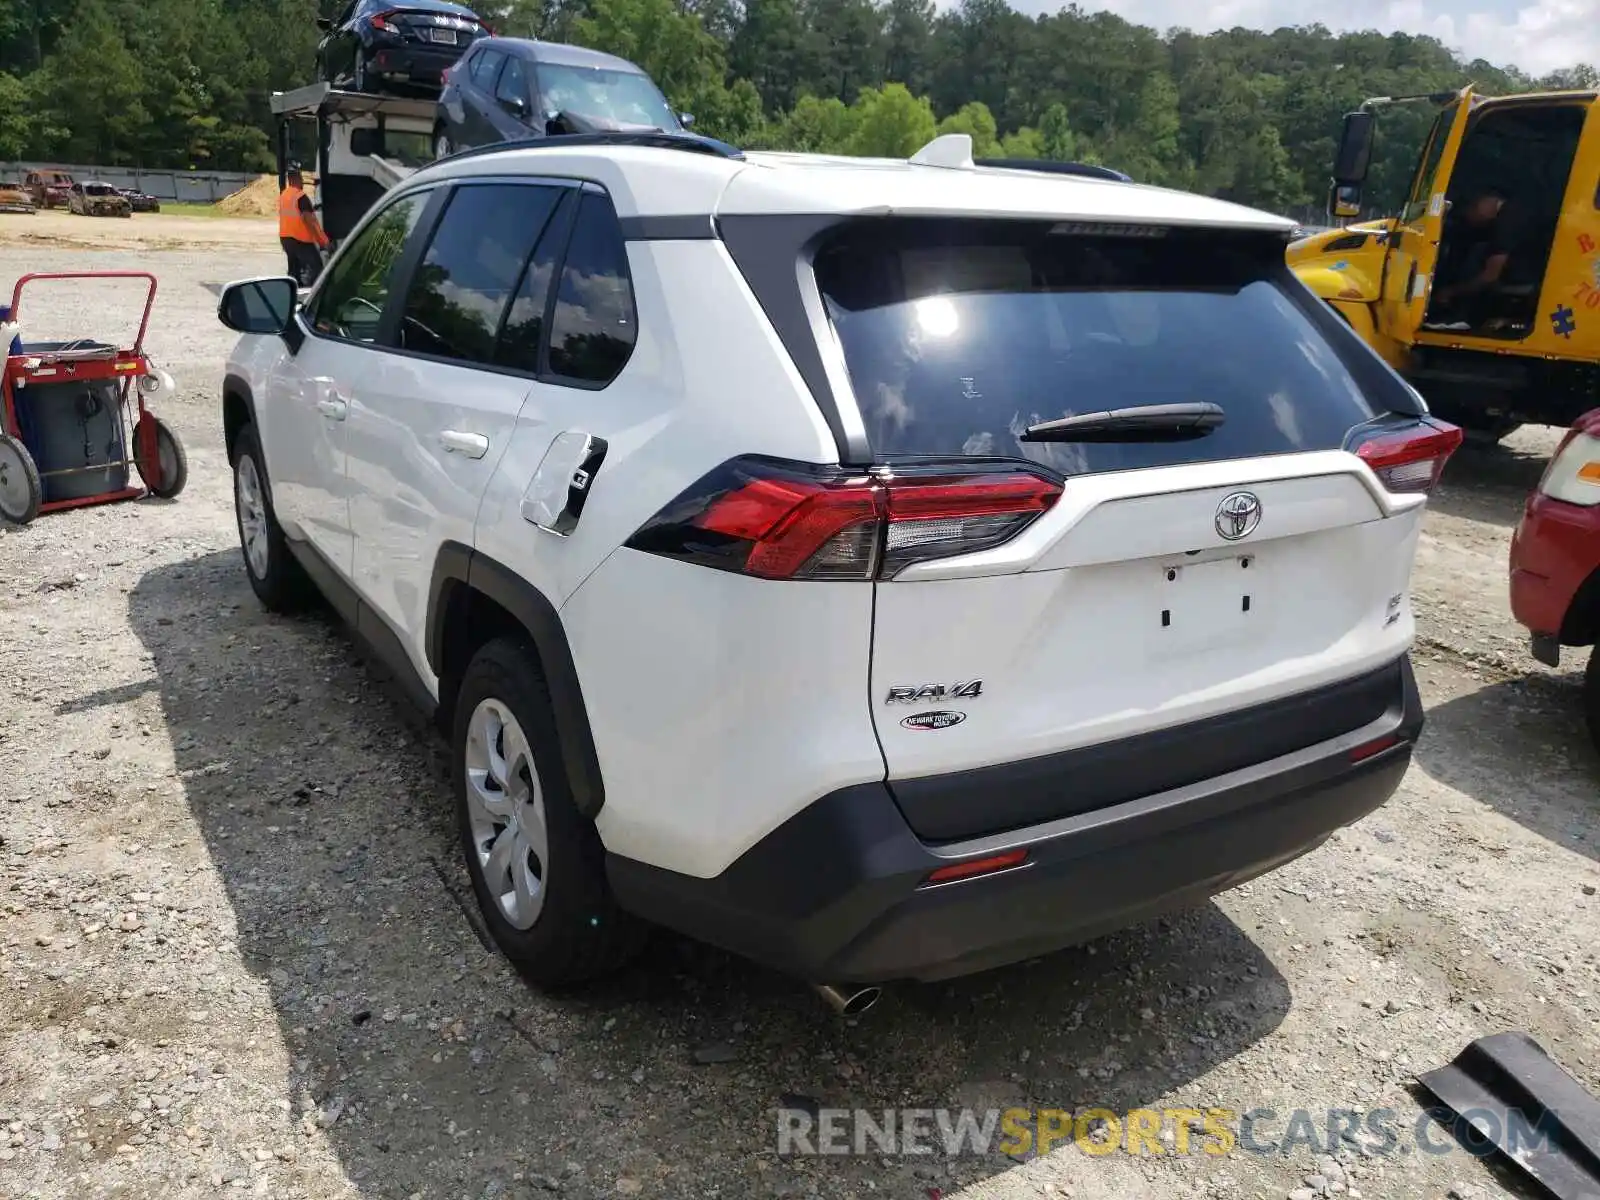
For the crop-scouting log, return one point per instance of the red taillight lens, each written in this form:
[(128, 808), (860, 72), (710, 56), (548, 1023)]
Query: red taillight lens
[(383, 21), (780, 520), (1412, 458), (1373, 748)]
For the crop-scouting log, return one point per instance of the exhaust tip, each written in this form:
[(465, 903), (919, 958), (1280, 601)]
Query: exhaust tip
[(849, 1001)]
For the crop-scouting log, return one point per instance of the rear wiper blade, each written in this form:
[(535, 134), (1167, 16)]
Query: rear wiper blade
[(1144, 423)]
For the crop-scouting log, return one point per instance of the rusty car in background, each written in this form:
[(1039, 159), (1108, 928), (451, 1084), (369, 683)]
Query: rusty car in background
[(96, 199)]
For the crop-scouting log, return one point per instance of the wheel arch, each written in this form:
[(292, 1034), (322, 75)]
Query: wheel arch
[(1581, 625), (473, 599), (238, 410)]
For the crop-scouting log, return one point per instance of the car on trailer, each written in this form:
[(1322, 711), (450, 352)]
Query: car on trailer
[(509, 89), (373, 45), (74, 416)]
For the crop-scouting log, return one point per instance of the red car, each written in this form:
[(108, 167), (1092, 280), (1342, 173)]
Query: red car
[(1555, 558)]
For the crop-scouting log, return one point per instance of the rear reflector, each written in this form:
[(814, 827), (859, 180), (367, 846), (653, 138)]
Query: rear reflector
[(1410, 458), (784, 520), (979, 866), (1369, 749)]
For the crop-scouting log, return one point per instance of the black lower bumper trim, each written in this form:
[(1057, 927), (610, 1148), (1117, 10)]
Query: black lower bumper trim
[(838, 893)]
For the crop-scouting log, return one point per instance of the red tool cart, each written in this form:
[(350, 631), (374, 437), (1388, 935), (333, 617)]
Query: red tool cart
[(71, 413)]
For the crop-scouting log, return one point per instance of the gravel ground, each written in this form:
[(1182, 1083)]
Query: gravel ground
[(237, 954)]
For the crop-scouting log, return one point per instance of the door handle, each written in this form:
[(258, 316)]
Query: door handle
[(473, 445), (334, 410)]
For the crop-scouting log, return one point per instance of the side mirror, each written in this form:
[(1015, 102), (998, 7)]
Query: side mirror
[(686, 120), (1355, 149), (515, 105), (1344, 202), (258, 305)]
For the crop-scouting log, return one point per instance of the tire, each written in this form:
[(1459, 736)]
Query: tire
[(548, 907), (358, 72), (21, 489), (1591, 696), (277, 579), (442, 146), (166, 476)]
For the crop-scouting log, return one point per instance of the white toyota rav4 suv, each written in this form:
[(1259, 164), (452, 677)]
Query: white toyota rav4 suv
[(882, 569)]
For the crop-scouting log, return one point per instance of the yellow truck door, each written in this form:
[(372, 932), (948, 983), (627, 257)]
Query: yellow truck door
[(1413, 248)]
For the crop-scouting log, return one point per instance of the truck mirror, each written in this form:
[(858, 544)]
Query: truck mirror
[(365, 142), (1355, 149), (1344, 201)]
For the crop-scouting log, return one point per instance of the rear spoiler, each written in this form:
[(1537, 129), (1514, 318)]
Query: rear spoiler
[(1053, 167)]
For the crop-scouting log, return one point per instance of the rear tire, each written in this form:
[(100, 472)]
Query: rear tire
[(276, 577), (1591, 696), (537, 865)]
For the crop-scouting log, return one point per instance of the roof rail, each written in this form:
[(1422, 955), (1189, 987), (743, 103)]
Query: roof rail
[(1055, 168), (656, 138)]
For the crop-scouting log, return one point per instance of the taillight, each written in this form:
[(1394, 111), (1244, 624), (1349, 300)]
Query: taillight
[(382, 21), (1410, 458), (783, 520)]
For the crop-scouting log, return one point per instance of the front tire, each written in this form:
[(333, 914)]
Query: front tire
[(537, 865), (359, 80), (442, 146), (277, 579)]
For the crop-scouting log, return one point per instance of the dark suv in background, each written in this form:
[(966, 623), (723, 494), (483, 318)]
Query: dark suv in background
[(507, 89), (371, 45)]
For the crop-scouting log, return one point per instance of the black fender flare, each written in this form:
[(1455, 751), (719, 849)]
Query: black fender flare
[(460, 566), (236, 386)]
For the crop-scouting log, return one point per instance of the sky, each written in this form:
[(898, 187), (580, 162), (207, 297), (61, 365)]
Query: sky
[(1536, 35)]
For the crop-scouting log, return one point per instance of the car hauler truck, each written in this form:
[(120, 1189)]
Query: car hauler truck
[(361, 146), (1527, 350)]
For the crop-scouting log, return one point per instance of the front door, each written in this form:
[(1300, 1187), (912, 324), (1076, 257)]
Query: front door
[(314, 391), (1413, 248)]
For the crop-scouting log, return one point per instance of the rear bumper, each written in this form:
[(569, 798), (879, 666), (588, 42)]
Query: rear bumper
[(838, 894), (1555, 549), (414, 60)]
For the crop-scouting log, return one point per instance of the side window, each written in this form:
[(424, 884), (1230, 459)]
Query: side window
[(594, 328), (466, 282), (350, 302), (522, 336), (513, 84), (484, 68)]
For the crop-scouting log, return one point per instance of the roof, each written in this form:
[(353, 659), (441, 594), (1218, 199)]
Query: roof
[(560, 54), (649, 181)]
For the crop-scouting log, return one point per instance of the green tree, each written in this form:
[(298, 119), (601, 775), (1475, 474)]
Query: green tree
[(977, 122), (891, 122)]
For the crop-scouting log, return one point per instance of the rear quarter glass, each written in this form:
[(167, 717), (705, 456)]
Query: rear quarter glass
[(958, 335)]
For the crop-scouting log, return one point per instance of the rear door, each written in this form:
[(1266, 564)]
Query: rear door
[(1161, 584), (1413, 246)]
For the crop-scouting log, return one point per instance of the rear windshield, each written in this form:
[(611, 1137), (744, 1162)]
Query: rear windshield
[(625, 97), (958, 335)]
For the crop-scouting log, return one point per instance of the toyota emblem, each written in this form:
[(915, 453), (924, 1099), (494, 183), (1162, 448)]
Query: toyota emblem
[(1238, 515)]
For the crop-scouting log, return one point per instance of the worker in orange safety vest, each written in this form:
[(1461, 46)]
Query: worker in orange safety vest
[(299, 230)]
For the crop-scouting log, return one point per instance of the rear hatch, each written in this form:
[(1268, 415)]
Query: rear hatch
[(1084, 621)]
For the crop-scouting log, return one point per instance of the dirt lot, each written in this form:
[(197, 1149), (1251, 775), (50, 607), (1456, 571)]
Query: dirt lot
[(235, 955)]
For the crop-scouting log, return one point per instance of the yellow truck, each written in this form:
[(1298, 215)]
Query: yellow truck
[(1483, 291)]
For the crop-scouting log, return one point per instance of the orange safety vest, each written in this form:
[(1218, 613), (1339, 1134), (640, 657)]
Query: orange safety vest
[(291, 221)]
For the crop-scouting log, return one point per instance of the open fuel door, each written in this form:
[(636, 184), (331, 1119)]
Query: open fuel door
[(1413, 249)]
